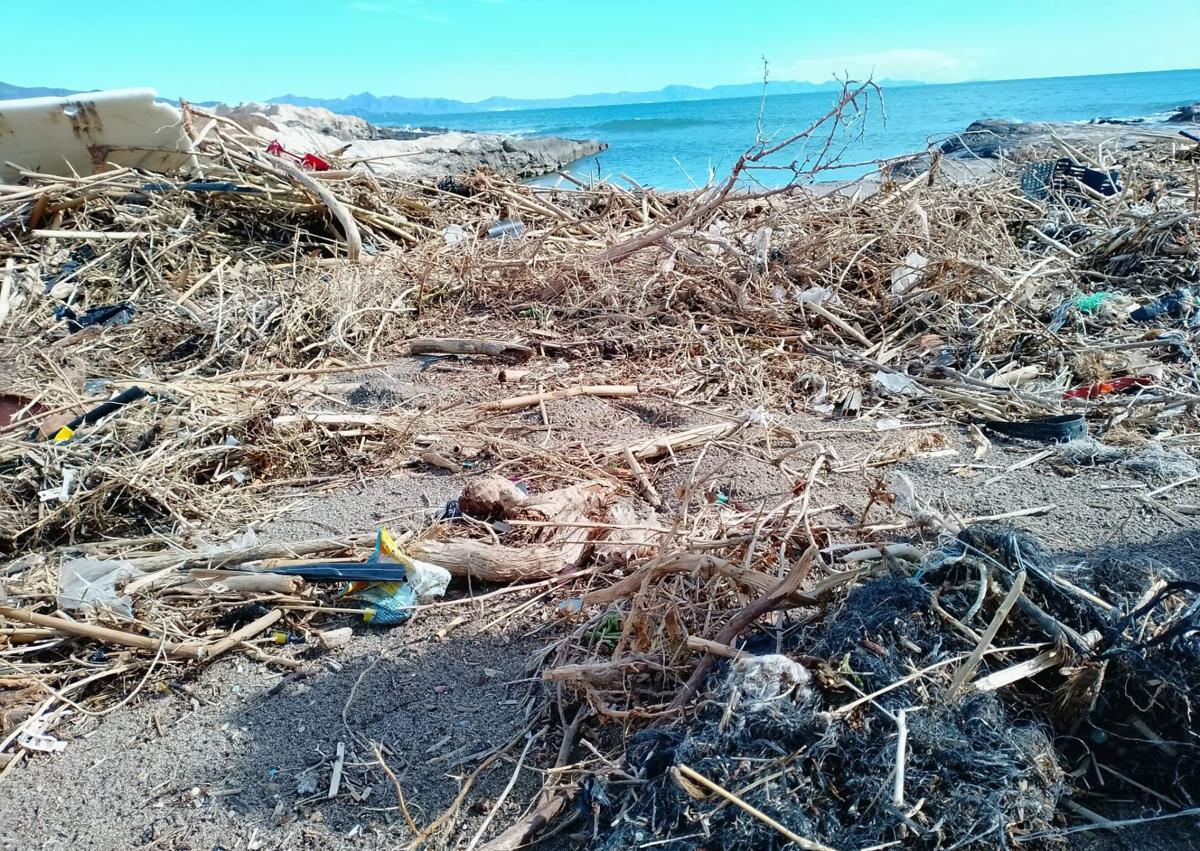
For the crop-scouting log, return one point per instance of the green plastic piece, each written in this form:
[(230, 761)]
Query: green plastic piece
[(1092, 302)]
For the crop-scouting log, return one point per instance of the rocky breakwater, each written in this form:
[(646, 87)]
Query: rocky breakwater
[(1186, 114), (393, 152), (995, 138), (984, 145)]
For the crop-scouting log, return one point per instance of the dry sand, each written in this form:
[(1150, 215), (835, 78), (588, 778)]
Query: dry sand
[(217, 761)]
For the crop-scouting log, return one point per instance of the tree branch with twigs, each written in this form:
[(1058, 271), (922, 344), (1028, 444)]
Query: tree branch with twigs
[(825, 127)]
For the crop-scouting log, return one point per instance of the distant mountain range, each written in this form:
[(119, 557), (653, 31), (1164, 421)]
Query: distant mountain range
[(11, 92), (372, 106)]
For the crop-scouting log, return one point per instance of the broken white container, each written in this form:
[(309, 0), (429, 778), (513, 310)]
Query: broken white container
[(92, 132)]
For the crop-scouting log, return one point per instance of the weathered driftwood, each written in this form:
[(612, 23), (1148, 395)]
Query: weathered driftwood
[(105, 635), (656, 447), (456, 346), (493, 562), (344, 217), (224, 645), (559, 548), (241, 582), (600, 390)]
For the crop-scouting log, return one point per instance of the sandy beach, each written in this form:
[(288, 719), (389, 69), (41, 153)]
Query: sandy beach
[(739, 519)]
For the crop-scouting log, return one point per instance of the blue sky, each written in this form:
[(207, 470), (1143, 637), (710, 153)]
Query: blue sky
[(471, 49)]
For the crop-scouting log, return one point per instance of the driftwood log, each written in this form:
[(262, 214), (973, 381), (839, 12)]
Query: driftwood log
[(557, 549), (490, 348)]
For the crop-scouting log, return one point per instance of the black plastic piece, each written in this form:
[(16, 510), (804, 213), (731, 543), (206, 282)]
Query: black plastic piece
[(1059, 429)]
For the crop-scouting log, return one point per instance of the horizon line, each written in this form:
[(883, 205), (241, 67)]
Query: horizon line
[(902, 84)]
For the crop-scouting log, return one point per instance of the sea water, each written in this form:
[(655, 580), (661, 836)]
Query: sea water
[(684, 144)]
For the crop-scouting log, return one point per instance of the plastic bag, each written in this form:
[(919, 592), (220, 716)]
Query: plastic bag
[(391, 603), (87, 584)]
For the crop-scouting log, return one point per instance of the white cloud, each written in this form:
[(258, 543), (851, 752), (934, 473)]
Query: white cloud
[(911, 64), (407, 8)]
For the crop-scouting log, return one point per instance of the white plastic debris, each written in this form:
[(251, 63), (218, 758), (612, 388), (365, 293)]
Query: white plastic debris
[(910, 273), (62, 135), (631, 536), (62, 492), (819, 401), (908, 503), (767, 677), (759, 416), (815, 295), (454, 234), (428, 581), (906, 493), (762, 246), (35, 738), (88, 584), (896, 384), (241, 541)]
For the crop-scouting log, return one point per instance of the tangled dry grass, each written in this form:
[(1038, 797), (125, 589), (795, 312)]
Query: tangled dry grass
[(971, 300)]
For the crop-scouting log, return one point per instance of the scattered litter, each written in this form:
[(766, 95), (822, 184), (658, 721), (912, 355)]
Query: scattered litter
[(90, 585), (896, 384), (1110, 387), (106, 316), (1057, 429), (390, 581), (1178, 305), (35, 738), (242, 615), (815, 295), (923, 687), (909, 274), (61, 135), (768, 677), (93, 416), (61, 492), (1086, 451), (1067, 180), (1161, 463), (506, 229), (1092, 302), (310, 162)]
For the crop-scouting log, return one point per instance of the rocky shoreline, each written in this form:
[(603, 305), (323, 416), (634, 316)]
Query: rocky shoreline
[(979, 149), (395, 152)]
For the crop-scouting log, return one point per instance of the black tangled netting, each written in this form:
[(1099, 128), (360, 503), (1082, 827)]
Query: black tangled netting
[(982, 770)]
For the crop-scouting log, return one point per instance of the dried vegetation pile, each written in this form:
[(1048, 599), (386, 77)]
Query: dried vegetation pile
[(167, 344)]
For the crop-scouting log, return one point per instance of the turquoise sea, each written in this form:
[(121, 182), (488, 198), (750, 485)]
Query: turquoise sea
[(674, 145)]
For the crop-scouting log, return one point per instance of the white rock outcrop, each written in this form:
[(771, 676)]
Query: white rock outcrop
[(309, 129)]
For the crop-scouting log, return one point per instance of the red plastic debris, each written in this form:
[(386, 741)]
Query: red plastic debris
[(1107, 388), (308, 161), (314, 163)]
